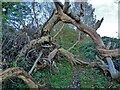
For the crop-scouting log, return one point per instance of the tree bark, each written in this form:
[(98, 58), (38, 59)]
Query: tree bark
[(50, 23), (20, 73)]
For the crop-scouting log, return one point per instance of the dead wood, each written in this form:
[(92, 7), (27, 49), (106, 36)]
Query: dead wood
[(114, 73), (113, 53), (72, 59), (35, 63), (108, 45), (52, 54), (66, 6), (75, 42), (32, 45), (20, 73), (58, 32), (98, 24), (50, 23), (67, 54), (46, 62), (61, 14), (90, 31), (33, 7)]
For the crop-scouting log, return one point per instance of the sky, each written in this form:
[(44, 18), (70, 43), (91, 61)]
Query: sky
[(109, 10)]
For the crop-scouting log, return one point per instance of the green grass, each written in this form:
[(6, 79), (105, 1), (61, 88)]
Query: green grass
[(89, 77)]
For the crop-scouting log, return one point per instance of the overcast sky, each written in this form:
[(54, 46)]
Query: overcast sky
[(109, 10)]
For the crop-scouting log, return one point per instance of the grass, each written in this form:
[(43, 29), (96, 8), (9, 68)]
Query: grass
[(89, 77)]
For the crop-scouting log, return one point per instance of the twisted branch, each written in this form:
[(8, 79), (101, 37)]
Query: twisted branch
[(20, 73)]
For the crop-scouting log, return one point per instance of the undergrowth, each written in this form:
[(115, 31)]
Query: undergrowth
[(89, 77)]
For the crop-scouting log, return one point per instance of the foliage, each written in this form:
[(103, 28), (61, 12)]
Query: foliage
[(115, 43), (14, 12), (43, 11), (13, 83), (87, 50)]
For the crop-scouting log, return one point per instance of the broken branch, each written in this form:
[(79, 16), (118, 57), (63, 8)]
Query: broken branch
[(35, 63), (66, 6), (20, 73), (75, 42), (98, 24), (58, 32)]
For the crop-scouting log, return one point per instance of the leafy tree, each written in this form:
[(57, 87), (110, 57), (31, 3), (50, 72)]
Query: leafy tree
[(14, 12)]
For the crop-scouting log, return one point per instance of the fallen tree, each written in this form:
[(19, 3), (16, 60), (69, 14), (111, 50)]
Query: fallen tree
[(62, 13)]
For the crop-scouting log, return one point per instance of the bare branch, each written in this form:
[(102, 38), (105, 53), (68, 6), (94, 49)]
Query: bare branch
[(52, 54), (81, 9), (50, 23), (58, 7), (67, 54), (71, 57), (31, 45), (114, 52), (47, 61), (108, 45), (75, 42), (74, 16), (20, 73), (59, 3), (90, 31), (98, 23), (60, 11), (58, 32), (35, 63), (110, 68), (66, 6), (114, 73), (33, 7)]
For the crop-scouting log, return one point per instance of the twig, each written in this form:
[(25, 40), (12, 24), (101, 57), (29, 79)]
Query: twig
[(114, 45), (66, 6), (40, 54), (98, 23), (108, 45), (33, 7), (29, 52), (75, 42), (58, 32)]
